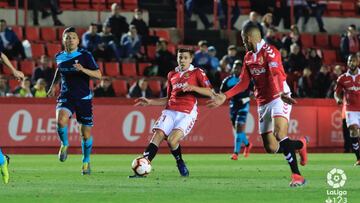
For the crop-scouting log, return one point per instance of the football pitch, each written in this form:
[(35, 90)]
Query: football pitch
[(213, 178)]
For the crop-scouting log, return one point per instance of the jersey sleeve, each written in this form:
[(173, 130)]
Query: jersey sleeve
[(91, 63), (203, 80), (224, 87), (339, 86), (273, 59), (241, 85)]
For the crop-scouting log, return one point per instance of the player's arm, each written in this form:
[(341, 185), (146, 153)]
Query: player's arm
[(142, 101), (51, 91), (18, 74), (339, 92), (204, 87), (92, 73)]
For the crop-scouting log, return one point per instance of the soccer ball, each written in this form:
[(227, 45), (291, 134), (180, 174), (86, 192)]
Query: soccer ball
[(141, 166)]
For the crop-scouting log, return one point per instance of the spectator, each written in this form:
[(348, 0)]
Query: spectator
[(297, 59), (105, 88), (24, 89), (350, 42), (322, 82), (4, 87), (285, 60), (141, 27), (337, 71), (10, 43), (91, 41), (39, 89), (43, 70), (202, 58), (293, 37), (223, 71), (140, 89), (231, 56), (214, 61), (253, 19), (314, 61), (301, 9), (235, 13), (164, 59), (282, 11), (117, 22), (131, 44), (262, 7), (271, 38), (267, 22), (305, 83), (108, 42), (197, 6), (41, 5), (317, 9)]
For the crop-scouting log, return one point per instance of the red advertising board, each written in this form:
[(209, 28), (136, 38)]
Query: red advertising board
[(123, 125)]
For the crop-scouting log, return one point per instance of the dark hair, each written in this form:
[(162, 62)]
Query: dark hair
[(250, 27), (2, 21), (183, 50), (69, 29)]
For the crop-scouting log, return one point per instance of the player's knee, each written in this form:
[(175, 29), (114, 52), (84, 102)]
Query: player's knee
[(62, 122), (173, 143), (270, 149), (158, 137)]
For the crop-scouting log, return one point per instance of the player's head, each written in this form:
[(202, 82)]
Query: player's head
[(352, 62), (184, 57), (251, 36), (236, 69), (70, 39)]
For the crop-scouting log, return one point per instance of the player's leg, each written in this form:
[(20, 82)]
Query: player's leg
[(84, 116), (161, 128), (4, 161), (353, 122), (174, 143), (240, 128), (288, 149), (151, 150), (86, 147), (237, 138), (63, 113)]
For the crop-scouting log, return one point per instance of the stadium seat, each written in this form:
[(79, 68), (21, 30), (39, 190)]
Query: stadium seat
[(334, 8), (120, 88), (7, 71), (18, 31), (32, 33), (83, 4), (60, 31), (4, 4), (112, 69), (151, 51), (66, 4), (48, 34), (27, 67), (322, 40), (307, 40), (172, 48), (329, 56), (163, 33), (101, 66), (335, 41), (53, 49), (13, 83), (37, 50), (80, 31), (142, 67), (128, 69), (155, 86), (129, 4)]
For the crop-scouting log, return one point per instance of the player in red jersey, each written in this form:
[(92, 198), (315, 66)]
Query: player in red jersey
[(262, 64), (180, 113), (348, 86)]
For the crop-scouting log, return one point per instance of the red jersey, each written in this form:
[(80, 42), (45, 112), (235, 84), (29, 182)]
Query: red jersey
[(266, 70), (350, 85), (184, 101)]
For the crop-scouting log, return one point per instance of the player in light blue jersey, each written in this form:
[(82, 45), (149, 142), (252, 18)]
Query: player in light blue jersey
[(75, 66), (239, 108), (4, 159)]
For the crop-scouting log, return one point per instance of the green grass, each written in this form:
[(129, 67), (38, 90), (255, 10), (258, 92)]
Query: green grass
[(213, 178)]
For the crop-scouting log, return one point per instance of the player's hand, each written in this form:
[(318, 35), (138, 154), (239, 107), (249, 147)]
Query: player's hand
[(78, 66), (216, 100), (18, 75), (142, 101), (339, 101), (287, 99), (188, 88)]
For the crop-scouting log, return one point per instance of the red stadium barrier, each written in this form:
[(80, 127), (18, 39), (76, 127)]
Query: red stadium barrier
[(121, 127)]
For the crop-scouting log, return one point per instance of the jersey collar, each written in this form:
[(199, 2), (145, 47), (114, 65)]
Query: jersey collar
[(178, 69), (348, 73), (259, 45)]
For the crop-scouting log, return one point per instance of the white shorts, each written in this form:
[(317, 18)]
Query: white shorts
[(352, 118), (174, 120), (276, 108)]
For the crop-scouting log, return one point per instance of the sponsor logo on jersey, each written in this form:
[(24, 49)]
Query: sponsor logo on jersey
[(261, 60), (257, 71), (353, 88), (273, 64)]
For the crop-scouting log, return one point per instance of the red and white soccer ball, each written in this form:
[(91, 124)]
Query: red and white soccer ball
[(141, 166)]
